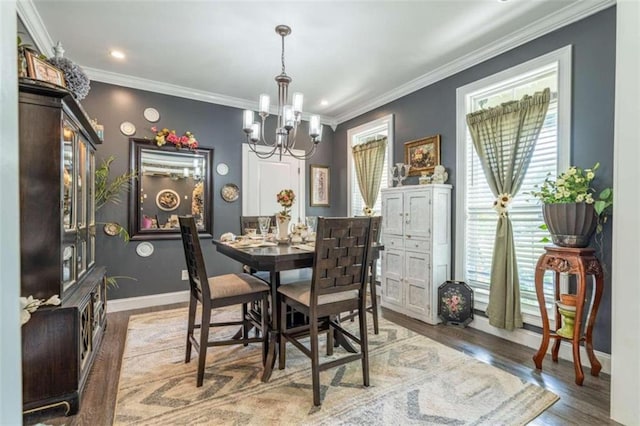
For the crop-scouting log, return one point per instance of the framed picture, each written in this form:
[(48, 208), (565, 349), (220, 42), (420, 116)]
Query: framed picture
[(319, 185), (422, 154), (39, 69)]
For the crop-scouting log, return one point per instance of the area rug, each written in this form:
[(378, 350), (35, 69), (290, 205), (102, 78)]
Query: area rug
[(414, 380)]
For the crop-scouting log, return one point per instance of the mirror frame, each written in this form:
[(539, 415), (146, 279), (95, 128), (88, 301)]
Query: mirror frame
[(135, 152)]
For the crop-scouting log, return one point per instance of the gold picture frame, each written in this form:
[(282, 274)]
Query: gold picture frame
[(319, 189), (39, 69), (422, 154)]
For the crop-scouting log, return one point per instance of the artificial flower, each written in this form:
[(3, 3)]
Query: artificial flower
[(285, 198)]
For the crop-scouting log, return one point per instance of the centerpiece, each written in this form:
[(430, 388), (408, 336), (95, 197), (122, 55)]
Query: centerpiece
[(571, 211), (285, 198)]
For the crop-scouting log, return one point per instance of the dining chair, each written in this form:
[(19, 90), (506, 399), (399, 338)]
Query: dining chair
[(338, 284), (216, 292), (376, 223)]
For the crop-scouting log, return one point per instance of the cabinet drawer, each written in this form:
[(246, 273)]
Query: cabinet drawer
[(416, 245), (392, 242)]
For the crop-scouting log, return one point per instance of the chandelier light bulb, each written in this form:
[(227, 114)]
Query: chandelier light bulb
[(297, 102), (247, 120), (264, 103), (289, 119), (255, 132), (314, 126)]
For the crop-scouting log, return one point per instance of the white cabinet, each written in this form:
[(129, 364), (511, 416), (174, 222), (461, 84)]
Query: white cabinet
[(416, 232)]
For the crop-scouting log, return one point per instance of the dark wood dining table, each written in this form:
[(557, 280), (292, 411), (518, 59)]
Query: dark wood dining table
[(274, 260)]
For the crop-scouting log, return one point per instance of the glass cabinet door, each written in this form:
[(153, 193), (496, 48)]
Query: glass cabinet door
[(91, 247), (68, 266), (82, 205), (69, 175)]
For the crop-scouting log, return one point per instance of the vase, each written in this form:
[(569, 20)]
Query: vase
[(570, 224), (283, 227)]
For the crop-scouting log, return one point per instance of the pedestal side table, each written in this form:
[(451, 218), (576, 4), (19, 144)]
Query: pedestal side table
[(581, 262)]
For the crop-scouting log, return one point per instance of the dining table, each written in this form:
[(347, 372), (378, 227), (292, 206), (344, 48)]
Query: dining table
[(275, 259)]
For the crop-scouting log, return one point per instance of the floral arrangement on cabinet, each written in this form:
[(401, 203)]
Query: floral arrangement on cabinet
[(285, 198), (165, 135), (29, 305)]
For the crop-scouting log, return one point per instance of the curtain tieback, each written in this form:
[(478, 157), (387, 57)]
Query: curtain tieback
[(368, 211), (501, 204)]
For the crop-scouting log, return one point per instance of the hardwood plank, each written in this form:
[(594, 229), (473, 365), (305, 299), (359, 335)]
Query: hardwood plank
[(583, 405)]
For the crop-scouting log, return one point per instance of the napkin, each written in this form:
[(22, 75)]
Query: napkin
[(227, 236), (304, 247)]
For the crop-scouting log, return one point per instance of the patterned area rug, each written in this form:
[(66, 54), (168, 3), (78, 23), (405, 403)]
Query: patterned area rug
[(414, 380)]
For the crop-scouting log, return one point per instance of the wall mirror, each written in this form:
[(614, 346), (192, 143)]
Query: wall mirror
[(171, 182)]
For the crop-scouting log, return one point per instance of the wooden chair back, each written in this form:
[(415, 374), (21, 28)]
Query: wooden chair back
[(198, 280), (340, 261), (252, 222)]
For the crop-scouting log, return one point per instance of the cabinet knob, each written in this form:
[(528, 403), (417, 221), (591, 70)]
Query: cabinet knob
[(417, 245), (408, 236)]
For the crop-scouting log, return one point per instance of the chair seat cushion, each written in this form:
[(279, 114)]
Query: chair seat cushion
[(301, 292), (230, 285)]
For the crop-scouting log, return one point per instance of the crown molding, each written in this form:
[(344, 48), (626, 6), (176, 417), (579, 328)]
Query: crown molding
[(563, 17), (33, 22)]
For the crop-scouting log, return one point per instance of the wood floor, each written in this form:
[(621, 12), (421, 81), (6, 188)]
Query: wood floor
[(579, 405)]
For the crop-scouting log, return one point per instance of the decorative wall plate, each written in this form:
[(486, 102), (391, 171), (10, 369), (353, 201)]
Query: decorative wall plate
[(222, 169), (127, 128), (167, 200), (230, 192), (151, 114), (144, 249), (111, 229)]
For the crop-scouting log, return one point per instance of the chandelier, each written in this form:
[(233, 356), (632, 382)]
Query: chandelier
[(289, 117)]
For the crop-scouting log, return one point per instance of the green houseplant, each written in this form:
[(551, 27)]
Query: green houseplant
[(109, 191), (572, 207)]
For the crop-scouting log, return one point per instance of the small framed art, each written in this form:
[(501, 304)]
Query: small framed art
[(319, 185), (40, 69), (422, 154)]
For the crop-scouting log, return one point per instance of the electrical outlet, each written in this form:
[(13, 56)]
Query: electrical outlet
[(185, 275)]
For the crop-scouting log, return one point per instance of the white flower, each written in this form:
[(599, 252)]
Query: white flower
[(53, 300), (24, 317), (590, 175), (560, 182), (558, 195), (572, 171), (501, 204), (579, 198), (578, 179), (589, 199)]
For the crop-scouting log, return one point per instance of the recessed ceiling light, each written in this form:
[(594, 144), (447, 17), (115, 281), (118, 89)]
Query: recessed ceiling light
[(324, 102), (117, 54), (502, 1)]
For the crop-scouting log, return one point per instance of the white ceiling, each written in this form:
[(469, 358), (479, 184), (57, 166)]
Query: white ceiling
[(356, 55)]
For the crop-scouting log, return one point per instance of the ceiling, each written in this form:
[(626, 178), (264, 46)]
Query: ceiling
[(355, 55)]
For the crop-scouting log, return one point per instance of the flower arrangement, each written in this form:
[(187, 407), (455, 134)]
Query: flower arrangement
[(501, 204), (29, 305), (285, 198), (165, 135), (575, 186)]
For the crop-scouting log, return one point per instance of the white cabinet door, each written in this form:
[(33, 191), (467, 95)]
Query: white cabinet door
[(417, 212), (392, 216), (417, 284), (392, 287)]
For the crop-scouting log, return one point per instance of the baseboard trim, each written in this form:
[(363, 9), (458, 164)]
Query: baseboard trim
[(130, 303), (532, 340)]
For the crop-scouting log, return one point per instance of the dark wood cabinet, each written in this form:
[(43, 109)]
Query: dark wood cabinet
[(57, 246)]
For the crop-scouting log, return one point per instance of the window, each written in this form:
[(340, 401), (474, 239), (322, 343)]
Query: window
[(477, 220), (361, 134)]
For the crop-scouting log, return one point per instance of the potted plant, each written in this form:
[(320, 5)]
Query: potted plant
[(285, 198), (572, 213)]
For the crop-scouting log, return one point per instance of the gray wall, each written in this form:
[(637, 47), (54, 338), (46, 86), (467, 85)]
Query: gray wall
[(432, 110), (215, 126)]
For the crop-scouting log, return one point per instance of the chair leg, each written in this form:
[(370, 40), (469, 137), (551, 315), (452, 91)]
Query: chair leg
[(330, 338), (265, 328), (364, 343), (315, 361), (245, 324), (204, 340), (374, 302), (193, 303), (282, 352)]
